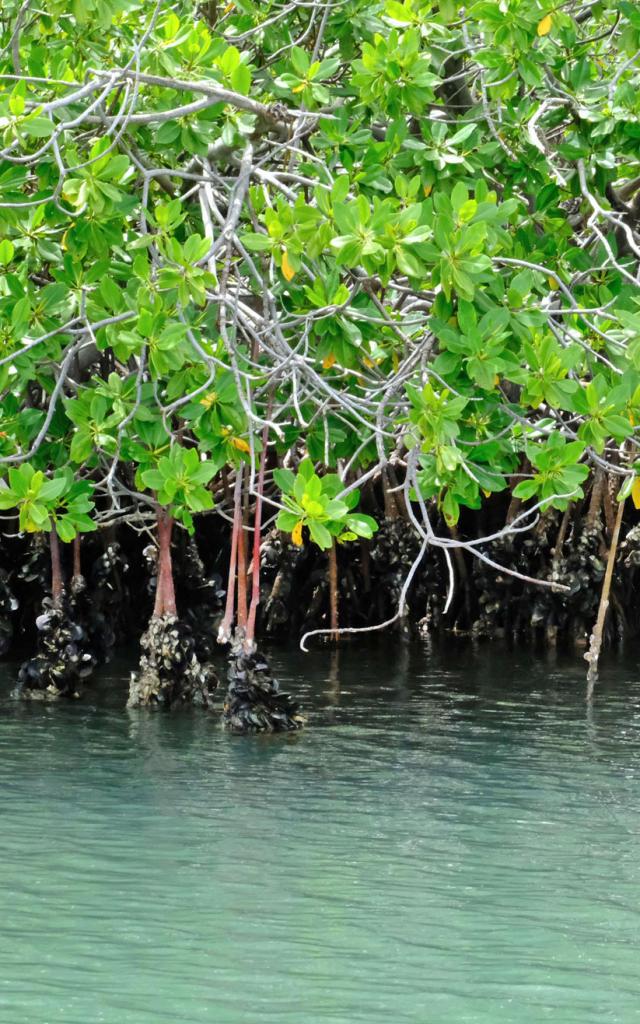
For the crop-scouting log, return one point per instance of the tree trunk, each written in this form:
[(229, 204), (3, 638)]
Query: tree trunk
[(165, 603), (210, 12), (595, 501), (77, 565), (224, 632), (333, 591), (242, 576), (257, 526), (56, 569)]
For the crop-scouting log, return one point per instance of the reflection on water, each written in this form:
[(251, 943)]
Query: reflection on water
[(454, 839)]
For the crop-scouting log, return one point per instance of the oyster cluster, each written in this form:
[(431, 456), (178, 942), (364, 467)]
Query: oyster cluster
[(170, 672), (254, 702)]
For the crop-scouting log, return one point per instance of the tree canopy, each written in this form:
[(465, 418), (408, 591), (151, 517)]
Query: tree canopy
[(342, 234)]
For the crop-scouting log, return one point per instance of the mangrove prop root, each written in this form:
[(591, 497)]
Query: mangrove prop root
[(224, 633), (57, 587), (77, 561), (242, 576), (593, 654), (165, 603), (254, 702), (255, 558), (333, 591), (170, 672)]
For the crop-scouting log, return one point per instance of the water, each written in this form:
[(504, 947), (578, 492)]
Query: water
[(453, 840)]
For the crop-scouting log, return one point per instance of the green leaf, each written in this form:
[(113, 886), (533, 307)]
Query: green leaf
[(65, 530), (284, 479), (286, 521), (38, 127), (525, 489), (319, 534), (52, 489), (7, 251)]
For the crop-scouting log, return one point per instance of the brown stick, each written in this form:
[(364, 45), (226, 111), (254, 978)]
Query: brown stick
[(257, 525), (224, 631), (242, 576), (333, 591), (390, 507), (593, 654), (210, 12), (77, 565), (595, 502), (562, 533), (608, 504), (57, 588)]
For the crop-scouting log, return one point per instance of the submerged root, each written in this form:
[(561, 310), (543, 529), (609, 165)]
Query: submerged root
[(170, 672), (62, 661), (254, 702)]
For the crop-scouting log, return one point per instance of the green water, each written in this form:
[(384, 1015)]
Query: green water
[(454, 839)]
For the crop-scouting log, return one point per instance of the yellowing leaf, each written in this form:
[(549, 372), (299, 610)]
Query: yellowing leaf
[(544, 26), (635, 492), (296, 534), (240, 444), (552, 283), (299, 88), (229, 8), (287, 269), (328, 361), (487, 494), (209, 400), (427, 190), (496, 381), (368, 362)]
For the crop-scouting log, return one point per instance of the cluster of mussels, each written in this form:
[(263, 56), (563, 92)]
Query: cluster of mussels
[(77, 632), (627, 581), (504, 604), (580, 568), (295, 582), (394, 551), (104, 601), (8, 607), (280, 561), (254, 701), (508, 607), (170, 672), (63, 660), (200, 598)]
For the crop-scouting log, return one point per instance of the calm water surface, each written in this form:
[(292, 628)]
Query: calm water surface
[(455, 839)]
